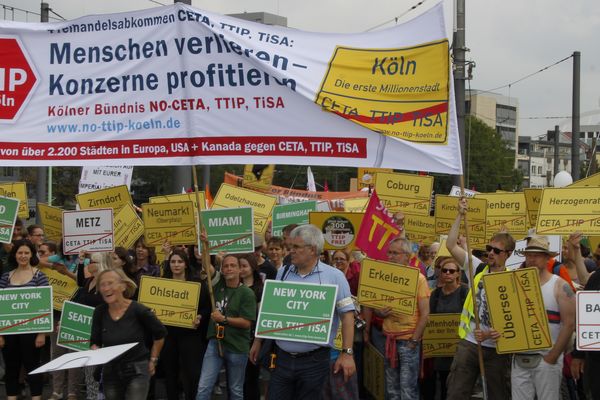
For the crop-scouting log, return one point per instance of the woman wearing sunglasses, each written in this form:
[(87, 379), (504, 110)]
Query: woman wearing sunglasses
[(447, 298)]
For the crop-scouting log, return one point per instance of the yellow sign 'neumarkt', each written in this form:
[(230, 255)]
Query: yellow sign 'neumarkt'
[(173, 221), (401, 93)]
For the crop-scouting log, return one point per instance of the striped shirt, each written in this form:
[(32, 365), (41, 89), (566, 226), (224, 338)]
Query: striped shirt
[(38, 279)]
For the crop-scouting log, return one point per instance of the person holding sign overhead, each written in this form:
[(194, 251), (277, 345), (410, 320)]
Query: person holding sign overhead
[(540, 373), (121, 320), (465, 367), (229, 328), (23, 349), (302, 368)]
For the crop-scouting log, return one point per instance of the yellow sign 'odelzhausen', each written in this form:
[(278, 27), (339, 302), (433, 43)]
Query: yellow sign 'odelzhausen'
[(383, 284), (230, 196), (401, 93), (517, 310), (565, 210), (408, 193)]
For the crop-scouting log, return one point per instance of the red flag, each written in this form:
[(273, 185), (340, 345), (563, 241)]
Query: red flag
[(326, 186), (208, 197), (377, 230)]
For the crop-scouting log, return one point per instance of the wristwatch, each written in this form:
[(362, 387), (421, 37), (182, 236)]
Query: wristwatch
[(348, 351), (154, 359)]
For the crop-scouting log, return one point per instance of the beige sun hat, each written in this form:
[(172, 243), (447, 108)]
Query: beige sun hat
[(538, 244)]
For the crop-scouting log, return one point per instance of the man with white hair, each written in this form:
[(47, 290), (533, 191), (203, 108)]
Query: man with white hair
[(302, 368)]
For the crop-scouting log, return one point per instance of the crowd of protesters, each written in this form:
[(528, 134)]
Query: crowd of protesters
[(190, 360)]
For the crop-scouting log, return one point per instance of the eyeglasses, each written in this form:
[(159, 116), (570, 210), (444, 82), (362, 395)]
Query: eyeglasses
[(38, 235), (299, 246), (339, 260), (496, 250), (396, 253), (449, 271)]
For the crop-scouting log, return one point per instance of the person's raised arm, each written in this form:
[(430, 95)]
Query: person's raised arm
[(452, 244)]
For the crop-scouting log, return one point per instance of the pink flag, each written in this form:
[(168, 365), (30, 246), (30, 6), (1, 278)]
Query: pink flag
[(377, 230)]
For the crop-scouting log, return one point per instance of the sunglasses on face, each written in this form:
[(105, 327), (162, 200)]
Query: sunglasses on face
[(448, 271), (496, 250)]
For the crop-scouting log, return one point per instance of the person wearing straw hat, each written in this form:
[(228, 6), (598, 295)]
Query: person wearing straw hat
[(465, 366), (540, 373)]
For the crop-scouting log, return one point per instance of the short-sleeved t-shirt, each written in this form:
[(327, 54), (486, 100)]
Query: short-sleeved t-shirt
[(234, 303), (403, 325)]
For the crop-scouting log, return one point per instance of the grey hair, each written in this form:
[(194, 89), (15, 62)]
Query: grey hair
[(310, 235), (405, 243)]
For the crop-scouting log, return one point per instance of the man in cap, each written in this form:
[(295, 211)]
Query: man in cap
[(540, 372)]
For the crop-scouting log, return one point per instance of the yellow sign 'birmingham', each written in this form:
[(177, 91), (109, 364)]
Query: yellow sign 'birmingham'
[(401, 93)]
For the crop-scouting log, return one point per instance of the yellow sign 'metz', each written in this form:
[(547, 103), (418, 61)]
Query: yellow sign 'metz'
[(114, 197), (383, 284), (17, 190), (408, 193), (566, 210), (401, 93), (532, 200), (174, 302), (230, 196), (517, 310), (440, 337), (128, 227), (51, 219), (174, 222), (63, 287), (506, 211)]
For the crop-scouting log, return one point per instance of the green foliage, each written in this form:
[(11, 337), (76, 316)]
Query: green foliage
[(490, 161)]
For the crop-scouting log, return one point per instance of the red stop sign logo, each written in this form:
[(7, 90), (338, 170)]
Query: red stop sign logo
[(17, 79)]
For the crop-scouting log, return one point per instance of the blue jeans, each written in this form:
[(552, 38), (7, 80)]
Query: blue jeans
[(126, 381), (299, 378), (402, 382), (235, 363)]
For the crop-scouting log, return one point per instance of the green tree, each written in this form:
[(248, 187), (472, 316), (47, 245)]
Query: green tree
[(489, 161)]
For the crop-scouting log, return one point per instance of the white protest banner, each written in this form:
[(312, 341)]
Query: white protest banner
[(178, 85), (96, 178), (88, 230)]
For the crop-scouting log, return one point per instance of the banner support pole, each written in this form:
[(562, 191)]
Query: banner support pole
[(473, 288), (203, 247)]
